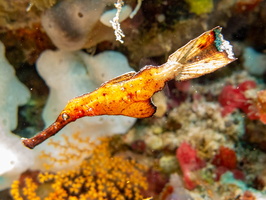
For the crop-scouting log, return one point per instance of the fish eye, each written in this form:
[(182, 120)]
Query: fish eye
[(65, 116)]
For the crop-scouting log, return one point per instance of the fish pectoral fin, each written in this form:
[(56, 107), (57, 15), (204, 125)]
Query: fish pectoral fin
[(141, 109), (203, 55)]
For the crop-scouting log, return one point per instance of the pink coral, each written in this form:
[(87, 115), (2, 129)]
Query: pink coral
[(189, 162), (232, 98)]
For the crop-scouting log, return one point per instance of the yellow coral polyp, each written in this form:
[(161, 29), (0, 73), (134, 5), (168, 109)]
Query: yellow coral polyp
[(15, 193), (27, 192), (200, 6), (100, 176)]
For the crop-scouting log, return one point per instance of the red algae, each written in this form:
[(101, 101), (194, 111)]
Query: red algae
[(232, 98), (226, 160), (189, 162)]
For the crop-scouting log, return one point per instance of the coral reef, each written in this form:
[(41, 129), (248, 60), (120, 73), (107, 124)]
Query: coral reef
[(175, 189), (14, 15), (42, 4), (254, 61), (189, 162), (225, 160), (102, 175), (239, 97), (214, 137), (15, 92), (13, 159), (69, 23), (219, 118)]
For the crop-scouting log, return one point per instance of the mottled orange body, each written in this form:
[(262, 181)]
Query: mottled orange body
[(130, 94), (120, 96)]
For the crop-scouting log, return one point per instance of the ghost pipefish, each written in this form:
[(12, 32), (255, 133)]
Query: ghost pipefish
[(130, 94)]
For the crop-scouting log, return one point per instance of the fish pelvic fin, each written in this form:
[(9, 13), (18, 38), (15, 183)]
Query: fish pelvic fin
[(141, 109)]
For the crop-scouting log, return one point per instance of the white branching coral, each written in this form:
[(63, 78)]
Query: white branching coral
[(14, 157), (115, 22)]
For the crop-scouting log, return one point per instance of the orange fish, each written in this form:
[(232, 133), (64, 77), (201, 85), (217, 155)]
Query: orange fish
[(130, 94)]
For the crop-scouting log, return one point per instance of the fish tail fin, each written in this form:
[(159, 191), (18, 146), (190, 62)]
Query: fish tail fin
[(203, 55)]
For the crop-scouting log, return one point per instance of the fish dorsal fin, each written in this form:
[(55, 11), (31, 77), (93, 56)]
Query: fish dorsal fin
[(121, 78)]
